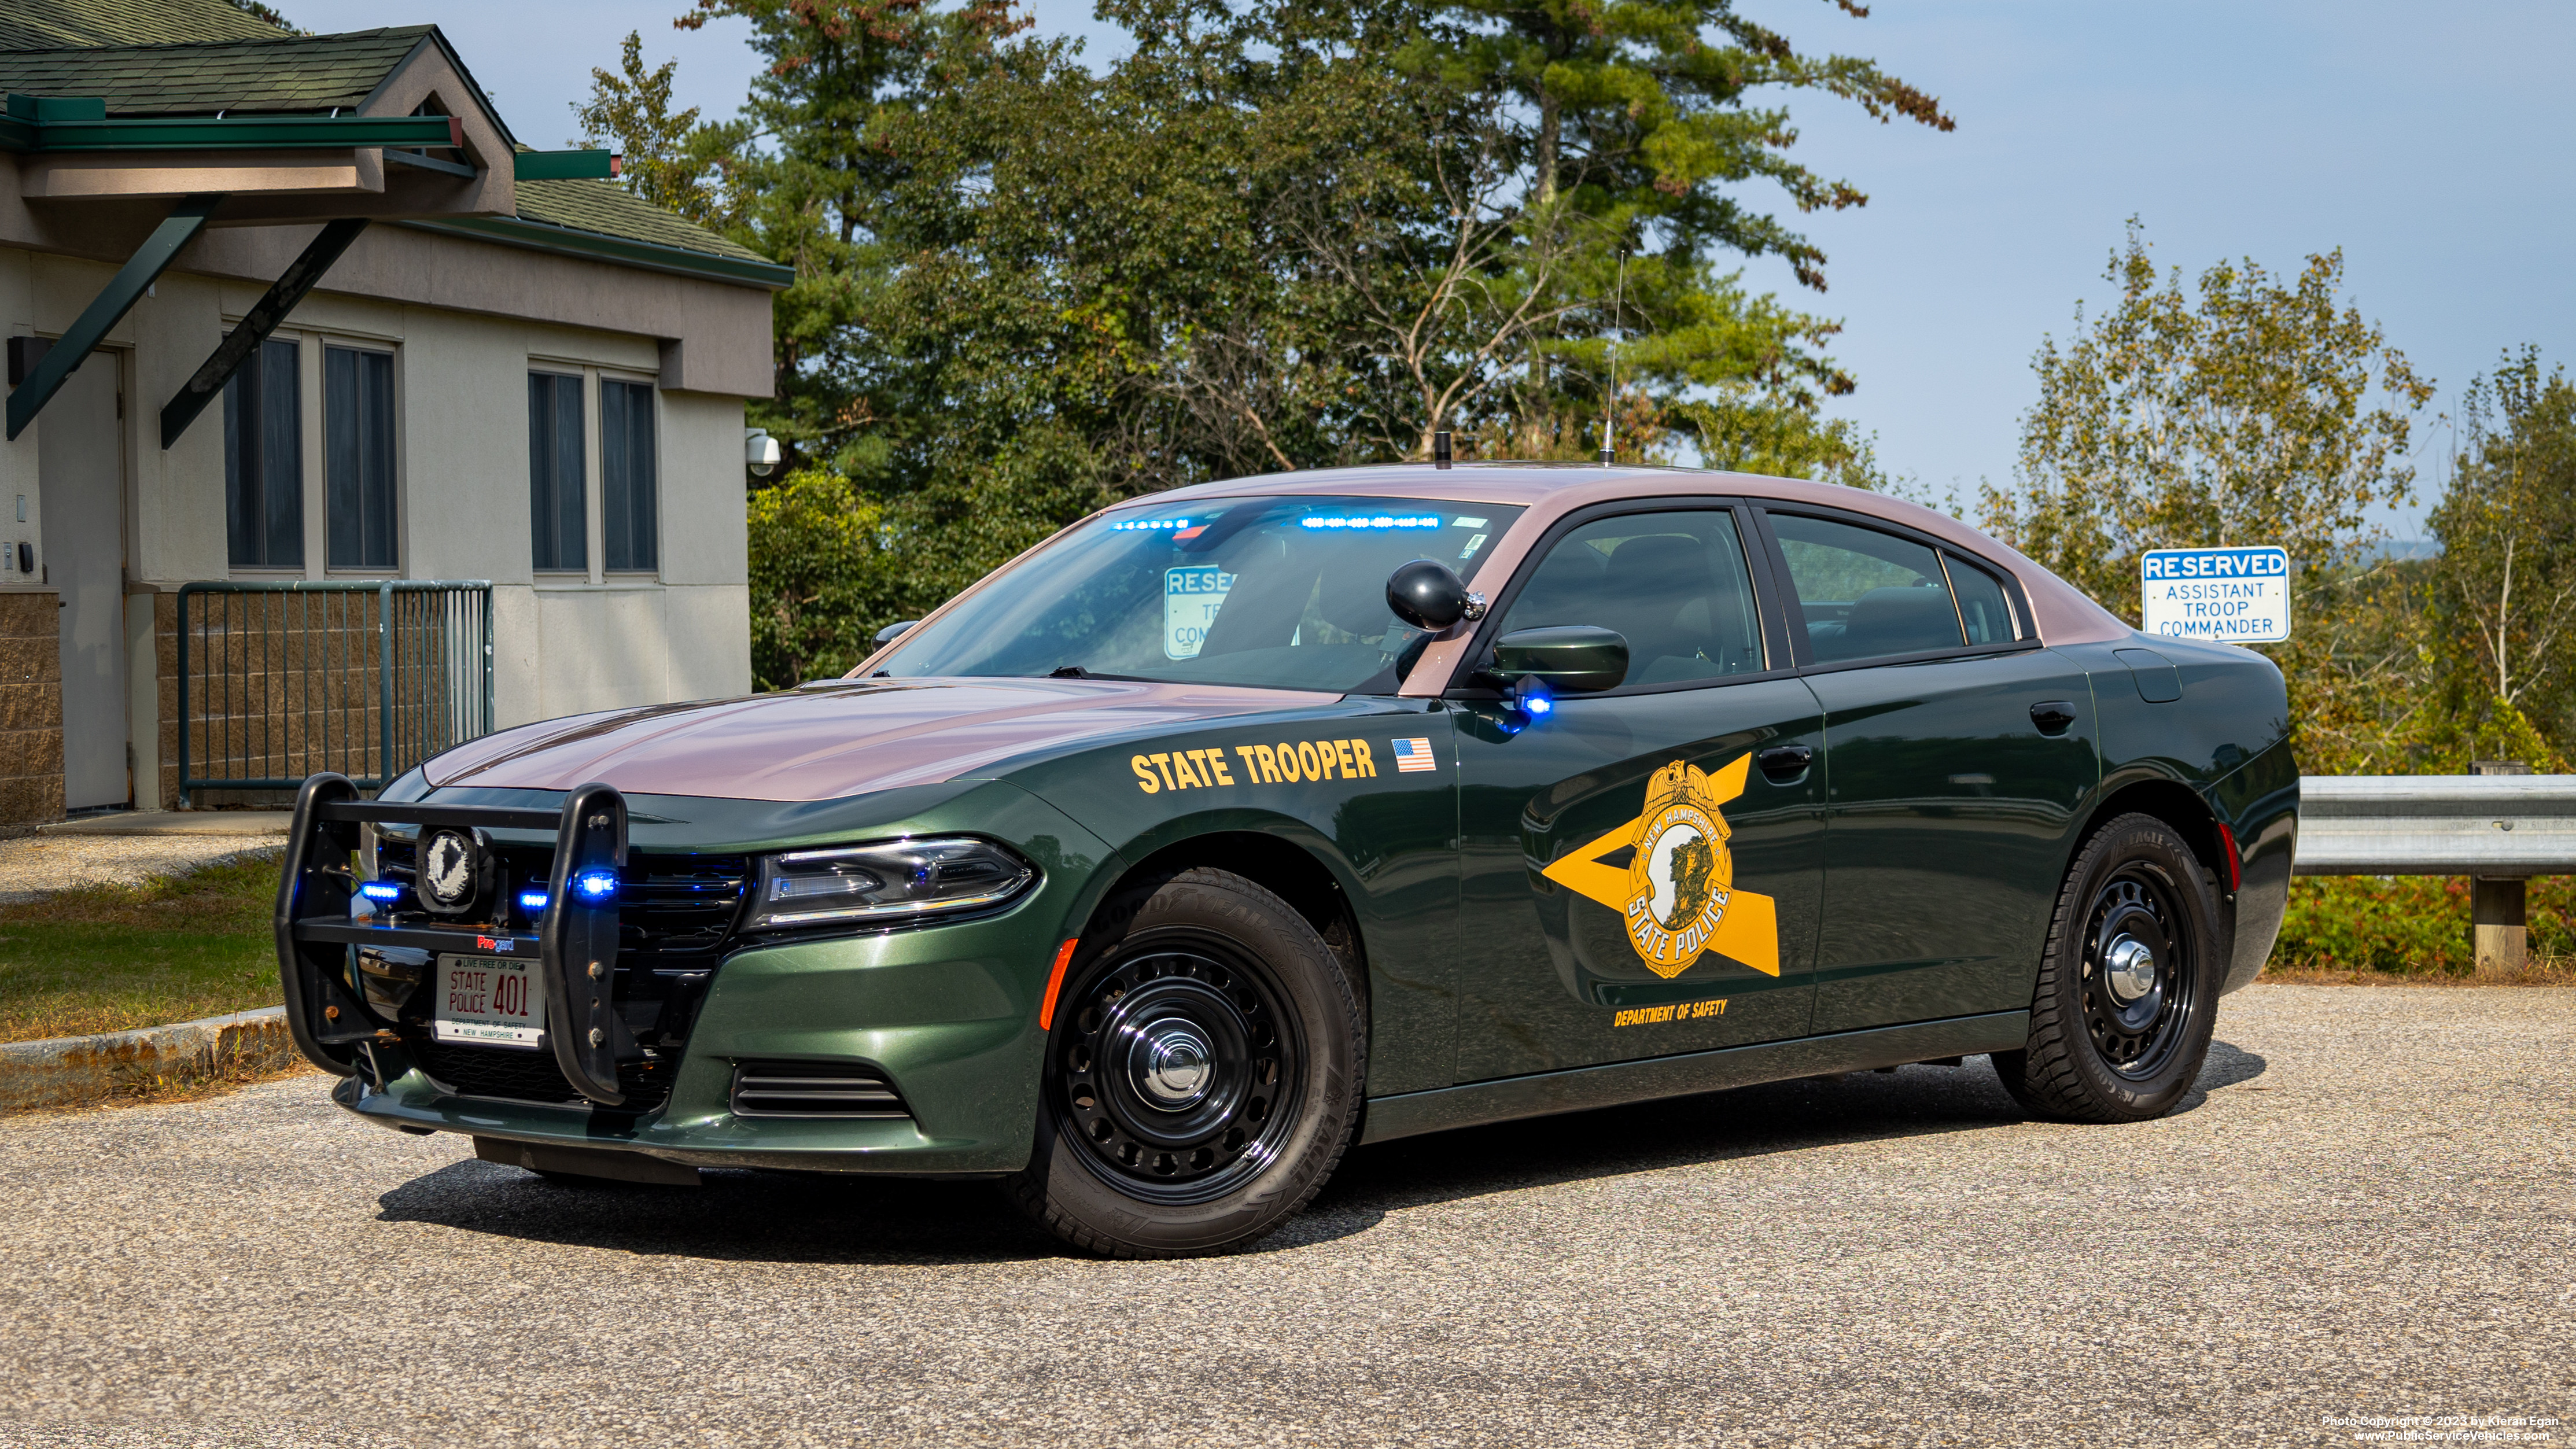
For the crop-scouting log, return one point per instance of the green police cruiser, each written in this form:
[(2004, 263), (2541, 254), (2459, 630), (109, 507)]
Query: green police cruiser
[(1236, 825)]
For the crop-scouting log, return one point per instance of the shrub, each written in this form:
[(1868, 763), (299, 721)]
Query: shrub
[(2406, 925)]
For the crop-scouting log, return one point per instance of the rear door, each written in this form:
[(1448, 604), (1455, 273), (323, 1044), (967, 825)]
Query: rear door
[(1636, 883), (1960, 750)]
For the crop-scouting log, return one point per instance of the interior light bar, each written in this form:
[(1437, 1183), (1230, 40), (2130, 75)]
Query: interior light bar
[(1382, 520)]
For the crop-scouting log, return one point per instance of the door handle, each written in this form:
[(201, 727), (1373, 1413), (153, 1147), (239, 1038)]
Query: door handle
[(2053, 716), (1785, 763)]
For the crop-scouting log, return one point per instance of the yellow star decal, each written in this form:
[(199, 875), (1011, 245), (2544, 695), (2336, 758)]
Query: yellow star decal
[(1677, 895)]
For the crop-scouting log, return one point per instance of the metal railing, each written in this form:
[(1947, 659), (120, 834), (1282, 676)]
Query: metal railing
[(2475, 825), (2498, 827), (278, 681)]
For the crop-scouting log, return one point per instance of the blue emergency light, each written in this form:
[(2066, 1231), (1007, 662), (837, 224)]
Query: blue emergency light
[(532, 901), (381, 890), (595, 885)]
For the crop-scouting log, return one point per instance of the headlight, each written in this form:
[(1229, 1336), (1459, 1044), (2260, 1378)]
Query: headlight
[(877, 882)]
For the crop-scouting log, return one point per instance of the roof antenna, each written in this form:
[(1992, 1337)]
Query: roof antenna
[(1618, 307), (1440, 449)]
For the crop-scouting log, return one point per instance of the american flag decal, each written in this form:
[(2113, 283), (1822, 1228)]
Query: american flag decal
[(1412, 755)]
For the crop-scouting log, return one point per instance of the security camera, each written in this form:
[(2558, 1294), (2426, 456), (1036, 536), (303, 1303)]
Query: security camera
[(761, 451)]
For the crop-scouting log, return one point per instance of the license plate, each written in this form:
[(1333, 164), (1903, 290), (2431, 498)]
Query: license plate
[(489, 1001)]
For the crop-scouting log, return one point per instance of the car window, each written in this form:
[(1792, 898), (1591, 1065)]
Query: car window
[(1866, 594), (1982, 606), (1673, 584)]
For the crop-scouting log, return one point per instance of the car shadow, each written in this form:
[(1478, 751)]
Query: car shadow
[(822, 1218)]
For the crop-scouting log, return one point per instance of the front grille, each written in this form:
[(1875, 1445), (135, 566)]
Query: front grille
[(814, 1089), (674, 915), (532, 1076)]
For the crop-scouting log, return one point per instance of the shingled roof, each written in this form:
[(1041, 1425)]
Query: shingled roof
[(45, 24), (273, 74), (204, 57)]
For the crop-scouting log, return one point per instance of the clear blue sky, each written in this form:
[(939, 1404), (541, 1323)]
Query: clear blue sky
[(2427, 141)]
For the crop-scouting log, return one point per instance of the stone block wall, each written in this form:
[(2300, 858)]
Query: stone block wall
[(31, 707)]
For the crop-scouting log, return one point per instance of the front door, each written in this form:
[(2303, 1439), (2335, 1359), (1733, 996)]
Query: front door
[(1951, 805), (80, 464), (1636, 883)]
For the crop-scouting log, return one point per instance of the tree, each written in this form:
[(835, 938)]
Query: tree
[(1635, 129), (670, 160), (2507, 574), (1281, 235), (2257, 413), (2261, 415)]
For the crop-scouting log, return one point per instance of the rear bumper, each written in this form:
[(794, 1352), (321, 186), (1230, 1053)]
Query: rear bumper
[(2260, 803)]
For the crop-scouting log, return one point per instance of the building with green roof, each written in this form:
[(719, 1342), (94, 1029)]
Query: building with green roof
[(341, 424)]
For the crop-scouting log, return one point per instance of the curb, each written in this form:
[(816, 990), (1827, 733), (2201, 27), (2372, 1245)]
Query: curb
[(81, 1071)]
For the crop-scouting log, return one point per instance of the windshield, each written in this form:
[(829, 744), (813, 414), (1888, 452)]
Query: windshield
[(1284, 592)]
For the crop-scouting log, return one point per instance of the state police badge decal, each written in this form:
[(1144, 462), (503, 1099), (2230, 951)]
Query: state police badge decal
[(1677, 894)]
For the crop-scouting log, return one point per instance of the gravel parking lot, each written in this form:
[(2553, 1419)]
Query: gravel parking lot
[(2365, 1211)]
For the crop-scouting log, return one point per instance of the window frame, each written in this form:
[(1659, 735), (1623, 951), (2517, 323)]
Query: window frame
[(1758, 571), (1796, 615), (330, 342)]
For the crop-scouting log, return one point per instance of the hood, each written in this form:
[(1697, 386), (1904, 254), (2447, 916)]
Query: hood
[(829, 742)]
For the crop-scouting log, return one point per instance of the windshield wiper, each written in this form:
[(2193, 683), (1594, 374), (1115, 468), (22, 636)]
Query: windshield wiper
[(1067, 671)]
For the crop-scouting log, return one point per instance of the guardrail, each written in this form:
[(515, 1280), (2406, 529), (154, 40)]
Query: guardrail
[(2499, 828), (281, 681)]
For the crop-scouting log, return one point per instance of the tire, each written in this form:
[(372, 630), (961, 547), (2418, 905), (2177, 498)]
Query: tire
[(2116, 1035), (1202, 1075)]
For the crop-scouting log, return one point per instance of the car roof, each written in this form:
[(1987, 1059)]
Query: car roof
[(2062, 613)]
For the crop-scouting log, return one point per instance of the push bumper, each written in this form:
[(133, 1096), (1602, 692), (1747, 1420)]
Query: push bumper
[(947, 1015)]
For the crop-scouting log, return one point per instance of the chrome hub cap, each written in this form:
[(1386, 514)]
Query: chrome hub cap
[(1173, 1066), (2131, 964)]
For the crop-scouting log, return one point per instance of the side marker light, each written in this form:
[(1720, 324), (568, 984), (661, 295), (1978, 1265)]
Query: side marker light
[(1055, 983), (2235, 862)]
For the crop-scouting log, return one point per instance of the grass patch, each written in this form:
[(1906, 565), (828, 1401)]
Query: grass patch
[(113, 957), (2411, 929)]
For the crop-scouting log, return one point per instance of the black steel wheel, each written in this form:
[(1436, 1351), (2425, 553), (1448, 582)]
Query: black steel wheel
[(1201, 1075), (2128, 984), (2137, 970), (1179, 1069)]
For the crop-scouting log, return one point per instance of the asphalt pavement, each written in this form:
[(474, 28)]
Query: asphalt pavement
[(2365, 1210)]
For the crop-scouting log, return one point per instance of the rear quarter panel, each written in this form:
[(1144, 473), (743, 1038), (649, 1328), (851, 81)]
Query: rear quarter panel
[(2227, 740)]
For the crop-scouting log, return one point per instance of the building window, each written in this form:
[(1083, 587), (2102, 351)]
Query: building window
[(626, 478), (554, 472), (264, 459), (358, 457)]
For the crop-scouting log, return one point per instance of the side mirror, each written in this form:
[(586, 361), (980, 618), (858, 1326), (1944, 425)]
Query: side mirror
[(1568, 658), (892, 632), (1425, 594)]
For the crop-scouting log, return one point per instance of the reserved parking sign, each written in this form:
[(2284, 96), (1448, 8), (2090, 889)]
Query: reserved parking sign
[(2225, 595)]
